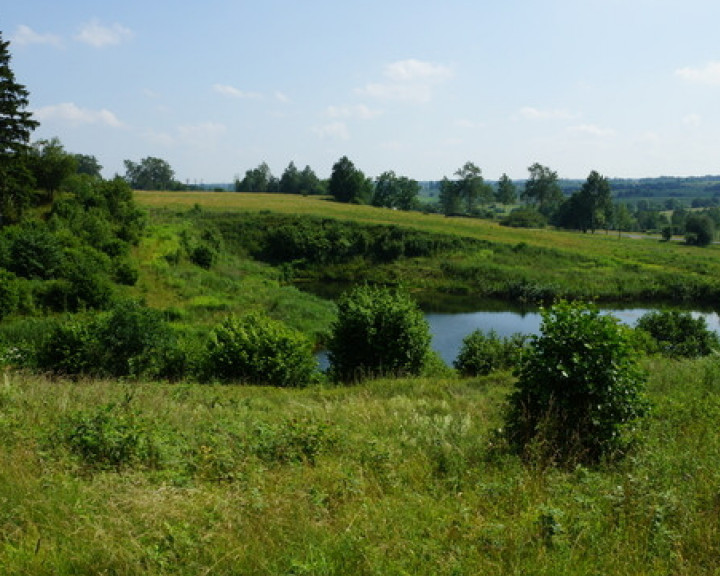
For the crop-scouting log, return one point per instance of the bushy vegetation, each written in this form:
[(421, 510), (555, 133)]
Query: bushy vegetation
[(378, 332), (679, 334), (258, 350), (388, 477), (482, 353), (72, 259), (128, 340), (579, 389)]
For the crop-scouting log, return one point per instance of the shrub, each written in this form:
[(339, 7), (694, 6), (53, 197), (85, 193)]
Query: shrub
[(9, 293), (679, 334), (578, 390), (34, 252), (482, 353), (132, 340), (524, 218), (377, 332), (66, 350), (109, 437), (129, 340), (203, 255), (258, 350), (699, 230)]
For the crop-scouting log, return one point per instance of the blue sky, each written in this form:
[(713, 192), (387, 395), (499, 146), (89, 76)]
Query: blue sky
[(629, 88)]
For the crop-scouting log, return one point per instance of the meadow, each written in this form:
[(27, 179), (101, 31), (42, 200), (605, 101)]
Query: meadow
[(511, 264), (385, 477)]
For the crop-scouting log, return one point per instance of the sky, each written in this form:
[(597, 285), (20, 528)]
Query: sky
[(629, 88)]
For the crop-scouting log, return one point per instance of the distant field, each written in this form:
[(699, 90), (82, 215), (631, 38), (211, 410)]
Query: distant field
[(646, 256)]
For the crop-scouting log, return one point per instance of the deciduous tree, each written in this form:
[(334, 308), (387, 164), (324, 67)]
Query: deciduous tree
[(50, 164), (150, 174), (542, 189), (392, 191), (506, 190), (348, 184)]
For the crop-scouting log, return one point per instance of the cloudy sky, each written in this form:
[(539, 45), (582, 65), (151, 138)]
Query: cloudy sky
[(630, 88)]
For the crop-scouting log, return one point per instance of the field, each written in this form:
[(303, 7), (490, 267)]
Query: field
[(387, 477), (514, 264)]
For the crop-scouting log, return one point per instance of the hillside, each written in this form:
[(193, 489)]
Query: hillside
[(499, 262)]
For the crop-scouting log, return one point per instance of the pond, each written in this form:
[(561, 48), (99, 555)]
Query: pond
[(449, 330)]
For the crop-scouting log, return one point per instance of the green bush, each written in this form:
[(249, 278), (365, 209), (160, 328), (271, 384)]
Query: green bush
[(258, 350), (699, 230), (679, 334), (203, 255), (377, 332), (9, 293), (111, 436), (129, 340), (482, 353), (34, 251), (578, 390), (524, 218)]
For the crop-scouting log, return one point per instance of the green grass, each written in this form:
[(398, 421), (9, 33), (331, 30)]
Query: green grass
[(514, 264), (390, 477)]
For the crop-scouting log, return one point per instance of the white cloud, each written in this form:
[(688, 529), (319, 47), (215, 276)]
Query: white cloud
[(95, 34), (359, 111), (73, 114), (408, 81), (530, 113), (707, 74), (233, 92), (25, 35), (334, 130), (592, 130), (414, 70)]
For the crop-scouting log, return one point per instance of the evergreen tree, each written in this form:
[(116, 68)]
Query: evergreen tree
[(16, 125)]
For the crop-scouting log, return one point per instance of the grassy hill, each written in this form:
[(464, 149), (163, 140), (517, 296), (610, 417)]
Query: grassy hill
[(506, 263)]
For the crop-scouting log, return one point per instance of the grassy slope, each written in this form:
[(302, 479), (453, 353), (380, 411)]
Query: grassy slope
[(587, 265), (391, 477)]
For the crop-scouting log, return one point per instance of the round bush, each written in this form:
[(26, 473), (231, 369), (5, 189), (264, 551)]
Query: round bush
[(258, 350), (378, 332), (679, 334), (483, 353), (578, 390)]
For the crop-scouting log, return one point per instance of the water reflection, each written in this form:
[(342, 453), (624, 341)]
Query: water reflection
[(449, 330)]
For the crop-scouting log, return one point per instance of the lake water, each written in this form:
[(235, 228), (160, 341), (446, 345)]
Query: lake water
[(449, 330)]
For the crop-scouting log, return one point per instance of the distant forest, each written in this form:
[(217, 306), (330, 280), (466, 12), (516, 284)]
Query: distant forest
[(631, 188)]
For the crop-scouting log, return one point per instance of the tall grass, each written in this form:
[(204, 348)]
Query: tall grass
[(390, 477)]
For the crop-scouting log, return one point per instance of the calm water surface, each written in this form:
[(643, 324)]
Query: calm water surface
[(449, 330)]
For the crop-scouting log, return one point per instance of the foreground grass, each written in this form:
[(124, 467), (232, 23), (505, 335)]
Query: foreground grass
[(390, 477)]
